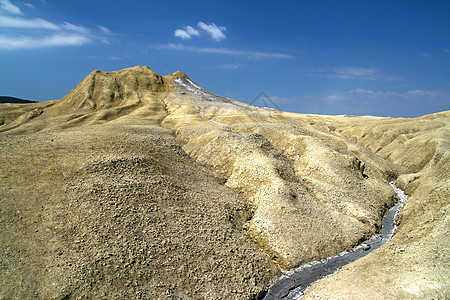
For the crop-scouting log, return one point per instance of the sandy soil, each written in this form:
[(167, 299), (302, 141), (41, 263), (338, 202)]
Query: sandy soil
[(120, 212), (415, 264), (147, 186)]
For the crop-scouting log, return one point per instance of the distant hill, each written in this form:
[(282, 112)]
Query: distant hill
[(7, 99)]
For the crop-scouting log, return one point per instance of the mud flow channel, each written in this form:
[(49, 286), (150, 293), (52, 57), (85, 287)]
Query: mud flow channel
[(294, 283)]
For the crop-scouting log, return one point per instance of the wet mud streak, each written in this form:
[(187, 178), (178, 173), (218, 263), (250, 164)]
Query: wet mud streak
[(294, 283)]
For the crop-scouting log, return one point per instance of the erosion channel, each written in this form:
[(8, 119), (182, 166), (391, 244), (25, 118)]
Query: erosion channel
[(293, 284)]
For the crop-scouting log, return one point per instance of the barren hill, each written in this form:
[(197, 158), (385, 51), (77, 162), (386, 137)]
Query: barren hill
[(142, 185)]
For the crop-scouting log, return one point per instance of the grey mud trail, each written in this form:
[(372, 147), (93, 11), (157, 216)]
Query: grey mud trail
[(294, 283)]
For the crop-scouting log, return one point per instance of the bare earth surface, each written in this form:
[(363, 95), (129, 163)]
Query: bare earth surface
[(415, 264), (137, 185)]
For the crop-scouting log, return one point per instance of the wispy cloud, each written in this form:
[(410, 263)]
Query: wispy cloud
[(113, 57), (17, 22), (215, 32), (104, 29), (362, 91), (428, 93), (8, 7), (186, 33), (335, 96), (72, 27), (47, 41), (407, 94), (249, 54), (356, 72), (29, 5), (347, 73), (231, 66), (31, 33), (353, 73)]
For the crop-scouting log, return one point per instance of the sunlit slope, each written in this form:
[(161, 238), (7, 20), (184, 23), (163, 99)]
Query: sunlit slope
[(288, 188), (312, 191), (415, 263), (134, 94)]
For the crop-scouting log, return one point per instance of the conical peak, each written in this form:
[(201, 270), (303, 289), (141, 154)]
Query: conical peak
[(179, 74), (106, 90), (139, 69), (134, 71)]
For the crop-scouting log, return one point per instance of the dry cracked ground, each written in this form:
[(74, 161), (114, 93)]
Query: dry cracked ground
[(137, 185)]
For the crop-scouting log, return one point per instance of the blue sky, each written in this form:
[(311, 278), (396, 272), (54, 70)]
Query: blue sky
[(386, 58)]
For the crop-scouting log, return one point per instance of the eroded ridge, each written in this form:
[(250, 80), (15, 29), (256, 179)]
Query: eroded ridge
[(294, 283), (187, 185)]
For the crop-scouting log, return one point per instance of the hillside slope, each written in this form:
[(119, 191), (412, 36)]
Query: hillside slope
[(415, 262), (153, 186)]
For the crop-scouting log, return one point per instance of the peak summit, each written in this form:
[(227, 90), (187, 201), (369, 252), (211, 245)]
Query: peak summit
[(108, 95), (139, 68), (105, 90), (179, 74)]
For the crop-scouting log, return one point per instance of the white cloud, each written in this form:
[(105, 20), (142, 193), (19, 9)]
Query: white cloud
[(6, 6), (14, 22), (191, 30), (29, 5), (27, 42), (428, 93), (362, 91), (112, 57), (335, 97), (407, 94), (355, 72), (71, 27), (182, 34), (215, 32), (186, 33), (31, 33), (249, 54), (37, 23), (374, 93), (231, 66), (347, 73), (104, 29)]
